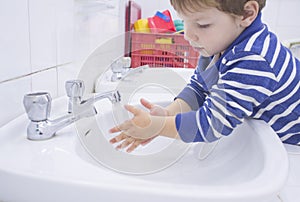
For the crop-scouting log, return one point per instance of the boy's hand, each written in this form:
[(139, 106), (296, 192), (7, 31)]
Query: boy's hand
[(134, 142), (154, 109), (142, 125), (130, 142)]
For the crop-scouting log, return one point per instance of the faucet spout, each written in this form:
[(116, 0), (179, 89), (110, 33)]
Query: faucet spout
[(86, 108), (114, 96), (38, 106)]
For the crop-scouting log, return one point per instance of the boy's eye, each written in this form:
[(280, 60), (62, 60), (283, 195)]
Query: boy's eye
[(203, 26)]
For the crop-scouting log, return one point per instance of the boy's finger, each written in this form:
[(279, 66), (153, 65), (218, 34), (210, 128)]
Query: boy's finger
[(114, 129), (146, 103), (120, 127), (132, 109), (133, 146), (118, 138), (113, 141), (126, 142)]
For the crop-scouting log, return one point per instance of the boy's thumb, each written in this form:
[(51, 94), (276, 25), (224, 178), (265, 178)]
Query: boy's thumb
[(146, 103)]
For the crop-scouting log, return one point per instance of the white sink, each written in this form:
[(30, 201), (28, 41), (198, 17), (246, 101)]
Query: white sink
[(250, 165)]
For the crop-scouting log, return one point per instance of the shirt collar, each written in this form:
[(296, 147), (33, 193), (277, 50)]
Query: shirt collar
[(249, 31)]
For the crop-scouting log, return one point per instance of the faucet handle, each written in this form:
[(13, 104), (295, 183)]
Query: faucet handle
[(37, 106), (121, 65), (126, 61), (75, 88)]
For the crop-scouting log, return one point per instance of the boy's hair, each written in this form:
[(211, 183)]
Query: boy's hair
[(229, 6)]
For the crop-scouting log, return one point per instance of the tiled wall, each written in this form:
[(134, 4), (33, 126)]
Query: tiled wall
[(39, 41), (280, 15)]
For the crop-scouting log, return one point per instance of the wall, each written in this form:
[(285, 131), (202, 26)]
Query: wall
[(38, 46), (280, 15)]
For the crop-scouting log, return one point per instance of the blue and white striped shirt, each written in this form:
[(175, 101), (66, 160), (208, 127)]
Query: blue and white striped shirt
[(256, 77)]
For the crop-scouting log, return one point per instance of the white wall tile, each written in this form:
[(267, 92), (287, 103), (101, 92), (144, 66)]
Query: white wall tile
[(45, 81), (65, 73), (14, 39), (289, 13), (270, 14), (64, 30), (42, 33), (288, 32), (121, 10), (11, 102), (93, 28), (288, 25), (113, 7)]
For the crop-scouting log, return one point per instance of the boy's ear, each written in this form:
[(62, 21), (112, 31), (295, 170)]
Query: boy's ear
[(251, 10)]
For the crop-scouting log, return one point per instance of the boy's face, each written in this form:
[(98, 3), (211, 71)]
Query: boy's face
[(210, 31)]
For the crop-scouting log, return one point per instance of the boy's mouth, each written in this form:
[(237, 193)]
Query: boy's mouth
[(196, 46)]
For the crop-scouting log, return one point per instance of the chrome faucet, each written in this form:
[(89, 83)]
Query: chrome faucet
[(38, 107), (85, 108), (121, 69)]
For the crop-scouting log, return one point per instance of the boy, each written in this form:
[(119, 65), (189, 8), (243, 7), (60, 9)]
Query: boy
[(251, 75)]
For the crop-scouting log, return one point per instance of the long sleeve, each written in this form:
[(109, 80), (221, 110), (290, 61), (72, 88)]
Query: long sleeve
[(242, 83), (196, 91)]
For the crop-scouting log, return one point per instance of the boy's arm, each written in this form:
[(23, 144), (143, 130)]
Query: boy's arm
[(178, 106), (169, 129)]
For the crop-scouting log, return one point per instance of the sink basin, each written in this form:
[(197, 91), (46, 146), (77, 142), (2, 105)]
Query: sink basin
[(78, 164)]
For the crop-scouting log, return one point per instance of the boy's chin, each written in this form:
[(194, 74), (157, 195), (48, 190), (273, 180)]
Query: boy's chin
[(205, 54)]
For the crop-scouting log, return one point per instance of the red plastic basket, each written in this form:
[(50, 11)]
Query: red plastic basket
[(162, 50)]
